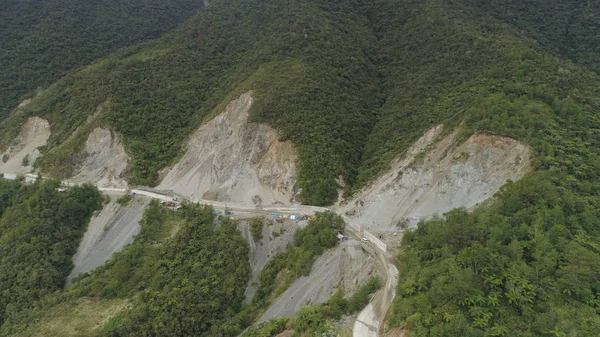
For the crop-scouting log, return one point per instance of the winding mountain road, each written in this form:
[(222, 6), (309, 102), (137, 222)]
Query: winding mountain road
[(369, 321)]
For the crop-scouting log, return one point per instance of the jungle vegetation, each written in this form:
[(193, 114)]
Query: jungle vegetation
[(353, 84), (182, 276), (526, 264), (40, 229), (43, 40)]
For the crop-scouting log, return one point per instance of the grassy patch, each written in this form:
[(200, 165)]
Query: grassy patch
[(74, 318)]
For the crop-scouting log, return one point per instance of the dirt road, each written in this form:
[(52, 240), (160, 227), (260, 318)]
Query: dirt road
[(370, 319)]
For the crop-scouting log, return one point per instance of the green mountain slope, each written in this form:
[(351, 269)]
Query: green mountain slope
[(565, 28), (313, 82), (286, 51), (181, 276), (527, 264), (40, 229), (351, 99), (43, 40), (353, 84)]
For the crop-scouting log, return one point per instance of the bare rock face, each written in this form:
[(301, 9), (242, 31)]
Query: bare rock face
[(108, 232), (231, 160), (23, 151), (275, 238), (435, 177), (24, 103), (105, 161), (347, 265)]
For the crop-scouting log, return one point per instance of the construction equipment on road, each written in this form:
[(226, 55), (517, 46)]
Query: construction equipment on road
[(214, 211), (342, 237), (172, 205)]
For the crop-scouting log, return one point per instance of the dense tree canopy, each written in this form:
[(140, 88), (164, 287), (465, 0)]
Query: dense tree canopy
[(352, 84), (40, 230), (186, 274), (43, 40), (527, 266), (508, 269), (568, 28)]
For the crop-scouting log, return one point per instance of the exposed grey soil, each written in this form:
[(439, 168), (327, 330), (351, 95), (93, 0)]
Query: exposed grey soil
[(231, 160), (109, 231), (105, 161), (24, 148), (348, 265), (276, 236), (436, 176)]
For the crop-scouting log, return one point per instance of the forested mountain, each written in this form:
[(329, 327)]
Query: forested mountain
[(507, 269), (384, 71), (40, 229), (180, 277), (565, 28), (352, 84), (298, 56), (42, 40)]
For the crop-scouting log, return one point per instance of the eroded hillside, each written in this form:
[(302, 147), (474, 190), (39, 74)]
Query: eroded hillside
[(347, 265), (346, 89), (439, 173), (102, 162), (23, 151), (108, 232), (230, 159)]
